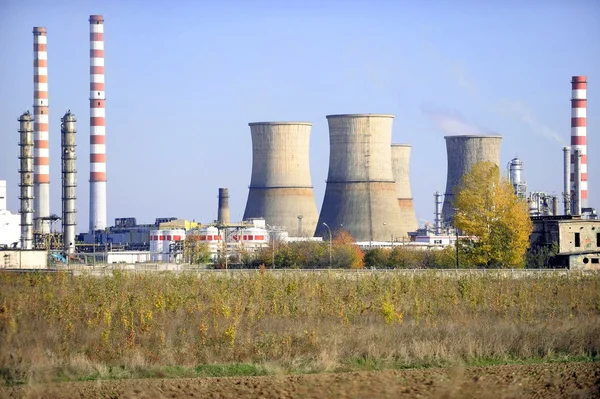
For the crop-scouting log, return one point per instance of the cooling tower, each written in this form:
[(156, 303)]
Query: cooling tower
[(360, 196), (280, 187), (69, 182), (41, 122), (463, 153), (26, 171), (223, 211), (97, 125), (579, 138), (401, 171)]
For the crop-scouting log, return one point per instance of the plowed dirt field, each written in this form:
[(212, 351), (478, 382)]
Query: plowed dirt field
[(568, 380)]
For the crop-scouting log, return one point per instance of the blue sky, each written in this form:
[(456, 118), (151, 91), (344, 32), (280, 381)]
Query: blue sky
[(184, 78)]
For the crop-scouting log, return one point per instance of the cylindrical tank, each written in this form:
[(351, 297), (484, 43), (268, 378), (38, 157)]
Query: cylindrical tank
[(69, 182), (171, 251), (515, 170), (401, 171), (463, 153), (360, 194), (157, 239), (26, 171), (223, 211), (567, 198), (280, 187)]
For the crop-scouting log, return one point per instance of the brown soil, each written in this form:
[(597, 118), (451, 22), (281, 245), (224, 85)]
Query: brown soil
[(569, 380)]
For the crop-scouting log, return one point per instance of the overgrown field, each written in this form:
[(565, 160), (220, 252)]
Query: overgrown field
[(55, 326)]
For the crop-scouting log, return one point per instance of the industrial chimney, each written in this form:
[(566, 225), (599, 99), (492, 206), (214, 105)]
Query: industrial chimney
[(438, 213), (223, 212), (26, 171), (360, 196), (579, 138), (69, 182), (401, 172), (567, 180), (97, 126), (41, 151), (280, 187), (577, 182), (464, 152)]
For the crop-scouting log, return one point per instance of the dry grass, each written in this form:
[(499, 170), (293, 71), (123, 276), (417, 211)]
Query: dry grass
[(54, 326)]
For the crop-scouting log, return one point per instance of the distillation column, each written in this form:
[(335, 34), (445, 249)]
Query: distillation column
[(26, 172), (41, 151), (69, 181), (97, 126)]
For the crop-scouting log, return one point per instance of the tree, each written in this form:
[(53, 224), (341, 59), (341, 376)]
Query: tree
[(346, 254), (488, 209)]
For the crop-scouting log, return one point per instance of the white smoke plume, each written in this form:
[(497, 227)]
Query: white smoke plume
[(451, 122)]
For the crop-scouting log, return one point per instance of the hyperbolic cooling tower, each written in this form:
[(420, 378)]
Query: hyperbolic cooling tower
[(223, 211), (463, 153), (26, 170), (579, 137), (280, 187), (69, 182), (97, 125), (360, 196), (401, 171), (41, 122)]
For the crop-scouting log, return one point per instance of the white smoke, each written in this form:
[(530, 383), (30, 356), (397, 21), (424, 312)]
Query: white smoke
[(451, 122)]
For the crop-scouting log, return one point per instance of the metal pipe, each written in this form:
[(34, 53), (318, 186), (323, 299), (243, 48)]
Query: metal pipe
[(26, 170), (555, 205), (567, 198), (69, 182)]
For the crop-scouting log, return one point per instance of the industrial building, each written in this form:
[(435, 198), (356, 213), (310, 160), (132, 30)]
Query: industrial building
[(360, 195)]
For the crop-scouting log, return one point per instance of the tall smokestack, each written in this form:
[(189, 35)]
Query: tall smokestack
[(26, 171), (97, 126), (578, 136), (577, 182), (223, 216), (567, 199), (360, 196), (401, 171), (41, 152), (280, 186), (463, 153), (69, 183)]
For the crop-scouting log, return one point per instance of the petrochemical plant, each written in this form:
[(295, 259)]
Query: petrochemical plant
[(367, 193)]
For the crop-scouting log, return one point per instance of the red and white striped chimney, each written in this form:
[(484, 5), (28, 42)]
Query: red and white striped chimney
[(97, 125), (579, 136), (41, 161)]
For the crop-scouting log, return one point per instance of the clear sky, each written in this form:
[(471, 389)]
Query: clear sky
[(184, 78)]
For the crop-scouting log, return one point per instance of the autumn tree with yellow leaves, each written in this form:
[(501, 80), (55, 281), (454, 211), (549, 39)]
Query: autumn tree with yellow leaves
[(488, 209)]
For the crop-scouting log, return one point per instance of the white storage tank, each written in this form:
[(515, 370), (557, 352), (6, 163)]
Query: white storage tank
[(171, 237), (157, 239)]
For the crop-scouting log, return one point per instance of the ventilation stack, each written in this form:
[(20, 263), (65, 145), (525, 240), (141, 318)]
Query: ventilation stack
[(438, 213), (579, 138), (280, 187), (97, 126), (41, 150), (577, 180), (360, 196), (69, 182), (26, 171), (223, 216), (463, 153), (567, 180), (401, 172)]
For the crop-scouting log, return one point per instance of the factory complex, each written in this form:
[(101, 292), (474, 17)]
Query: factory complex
[(367, 192)]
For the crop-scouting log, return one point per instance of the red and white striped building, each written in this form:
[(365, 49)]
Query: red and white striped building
[(579, 135), (97, 125), (41, 152)]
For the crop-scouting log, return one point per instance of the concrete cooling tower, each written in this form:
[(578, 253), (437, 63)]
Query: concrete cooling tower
[(281, 191), (401, 171), (463, 153), (360, 196)]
